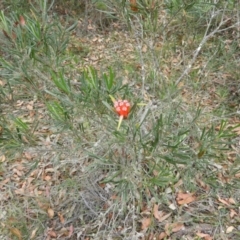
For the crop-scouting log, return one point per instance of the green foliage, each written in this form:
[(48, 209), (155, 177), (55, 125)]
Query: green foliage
[(61, 82), (15, 135), (166, 139), (57, 111), (30, 48), (95, 88)]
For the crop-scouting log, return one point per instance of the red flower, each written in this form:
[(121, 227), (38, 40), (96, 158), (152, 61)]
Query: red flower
[(122, 107)]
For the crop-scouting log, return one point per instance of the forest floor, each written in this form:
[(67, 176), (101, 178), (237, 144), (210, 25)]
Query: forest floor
[(171, 170)]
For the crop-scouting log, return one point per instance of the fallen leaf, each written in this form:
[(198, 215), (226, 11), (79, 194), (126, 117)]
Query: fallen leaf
[(47, 178), (231, 156), (16, 232), (150, 236), (236, 130), (2, 158), (162, 235), (172, 206), (133, 5), (94, 58), (19, 173), (185, 198), (70, 231), (43, 205), (51, 233), (49, 170), (29, 180), (47, 191), (20, 167), (173, 227), (223, 178), (63, 232), (19, 191), (232, 213), (145, 223), (230, 229), (203, 184), (237, 175), (159, 215), (19, 103), (144, 48), (22, 21), (181, 84), (232, 201), (25, 139), (223, 201), (61, 218), (30, 107), (204, 235), (164, 217), (114, 197), (32, 113), (33, 234), (50, 212), (2, 183), (178, 184)]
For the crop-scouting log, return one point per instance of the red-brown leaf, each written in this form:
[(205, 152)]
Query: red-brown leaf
[(174, 227), (145, 223), (22, 21), (133, 5), (185, 198)]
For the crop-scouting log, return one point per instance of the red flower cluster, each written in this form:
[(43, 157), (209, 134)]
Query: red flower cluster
[(122, 107)]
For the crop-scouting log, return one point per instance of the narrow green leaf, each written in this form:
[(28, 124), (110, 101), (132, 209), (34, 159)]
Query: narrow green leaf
[(20, 124), (60, 82)]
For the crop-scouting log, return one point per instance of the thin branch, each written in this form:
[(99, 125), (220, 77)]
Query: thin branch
[(206, 37)]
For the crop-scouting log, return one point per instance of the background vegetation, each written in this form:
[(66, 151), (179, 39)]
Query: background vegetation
[(172, 169)]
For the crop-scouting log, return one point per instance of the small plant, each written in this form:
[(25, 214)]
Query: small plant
[(90, 151), (31, 50)]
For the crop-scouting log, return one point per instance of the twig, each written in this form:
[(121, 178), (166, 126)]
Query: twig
[(206, 37)]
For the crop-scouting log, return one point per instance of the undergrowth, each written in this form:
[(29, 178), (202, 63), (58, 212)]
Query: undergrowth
[(67, 171)]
